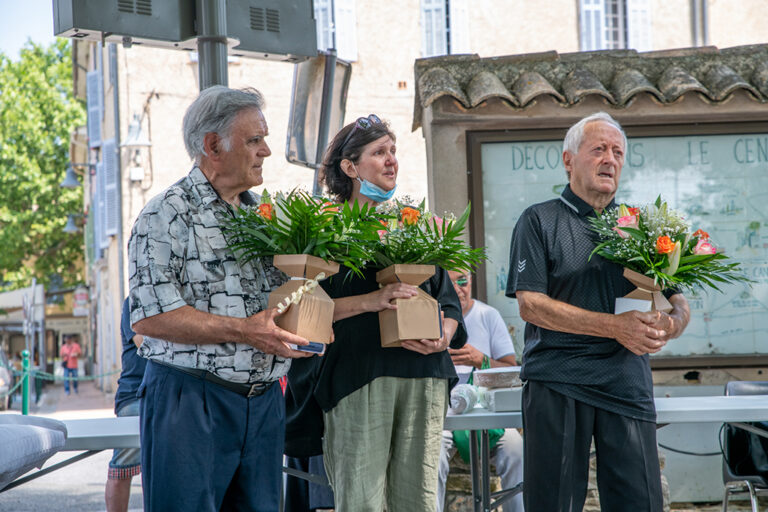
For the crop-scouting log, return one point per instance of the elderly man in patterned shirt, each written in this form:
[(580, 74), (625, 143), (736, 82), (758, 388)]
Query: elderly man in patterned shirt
[(212, 420)]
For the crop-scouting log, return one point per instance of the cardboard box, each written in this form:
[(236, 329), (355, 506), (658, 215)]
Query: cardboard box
[(415, 318), (312, 317), (646, 290)]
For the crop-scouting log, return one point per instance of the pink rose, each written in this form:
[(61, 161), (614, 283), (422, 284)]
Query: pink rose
[(628, 221), (704, 248), (438, 223)]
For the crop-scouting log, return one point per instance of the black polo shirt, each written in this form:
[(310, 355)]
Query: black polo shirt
[(549, 253)]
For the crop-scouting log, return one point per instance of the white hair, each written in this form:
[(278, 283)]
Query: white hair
[(575, 135), (214, 111)]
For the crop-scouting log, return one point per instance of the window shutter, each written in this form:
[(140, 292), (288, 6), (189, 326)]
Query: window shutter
[(459, 26), (639, 35), (111, 175), (346, 29), (592, 25), (99, 238), (324, 24), (433, 28), (95, 103)]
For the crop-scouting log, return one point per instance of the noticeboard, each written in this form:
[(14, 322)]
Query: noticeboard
[(718, 182)]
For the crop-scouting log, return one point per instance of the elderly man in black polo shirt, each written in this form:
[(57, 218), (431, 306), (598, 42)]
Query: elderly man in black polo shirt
[(586, 370)]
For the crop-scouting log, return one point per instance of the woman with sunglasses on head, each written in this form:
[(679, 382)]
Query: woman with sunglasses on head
[(383, 407)]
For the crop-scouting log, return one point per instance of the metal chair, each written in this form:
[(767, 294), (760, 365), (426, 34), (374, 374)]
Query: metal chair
[(739, 472)]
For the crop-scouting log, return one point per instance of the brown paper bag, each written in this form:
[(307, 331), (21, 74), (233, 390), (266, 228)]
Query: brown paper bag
[(312, 317), (415, 318), (647, 290)]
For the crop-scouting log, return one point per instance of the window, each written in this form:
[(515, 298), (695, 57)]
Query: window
[(337, 27), (615, 25), (444, 27)]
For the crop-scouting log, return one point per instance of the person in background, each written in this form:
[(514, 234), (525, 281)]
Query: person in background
[(126, 462), (586, 370), (212, 420), (489, 345), (384, 408), (304, 439), (70, 352)]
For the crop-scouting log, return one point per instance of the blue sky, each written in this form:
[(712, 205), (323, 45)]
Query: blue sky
[(23, 19)]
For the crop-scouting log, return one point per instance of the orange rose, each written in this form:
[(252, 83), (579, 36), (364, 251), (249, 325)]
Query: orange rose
[(664, 245), (703, 235), (634, 211), (265, 210), (410, 215), (330, 207)]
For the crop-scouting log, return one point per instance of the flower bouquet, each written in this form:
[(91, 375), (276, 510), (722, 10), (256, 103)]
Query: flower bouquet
[(658, 250), (309, 238), (413, 241)]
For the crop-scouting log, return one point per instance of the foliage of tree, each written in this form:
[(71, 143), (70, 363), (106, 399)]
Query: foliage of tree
[(38, 111)]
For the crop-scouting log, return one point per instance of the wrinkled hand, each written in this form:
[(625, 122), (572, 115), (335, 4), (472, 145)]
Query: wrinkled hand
[(429, 346), (263, 334), (636, 331), (381, 299), (666, 323), (467, 355)]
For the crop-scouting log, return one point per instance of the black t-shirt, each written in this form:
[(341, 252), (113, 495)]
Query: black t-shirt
[(550, 250), (356, 357), (303, 416)]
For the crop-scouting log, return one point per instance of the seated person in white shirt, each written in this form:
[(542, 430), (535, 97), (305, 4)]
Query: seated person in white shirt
[(488, 339)]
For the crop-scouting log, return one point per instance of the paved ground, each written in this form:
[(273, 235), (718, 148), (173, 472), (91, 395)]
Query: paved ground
[(80, 486)]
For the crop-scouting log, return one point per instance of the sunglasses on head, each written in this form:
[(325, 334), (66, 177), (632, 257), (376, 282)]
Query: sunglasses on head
[(462, 281), (363, 123)]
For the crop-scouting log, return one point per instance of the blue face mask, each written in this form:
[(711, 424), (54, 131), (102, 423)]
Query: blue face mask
[(374, 192)]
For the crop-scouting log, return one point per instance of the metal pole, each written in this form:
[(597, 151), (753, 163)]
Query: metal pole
[(325, 115), (212, 43), (695, 25), (25, 382)]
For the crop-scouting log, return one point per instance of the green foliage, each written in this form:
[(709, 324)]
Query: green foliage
[(415, 235), (37, 114), (631, 237), (301, 224)]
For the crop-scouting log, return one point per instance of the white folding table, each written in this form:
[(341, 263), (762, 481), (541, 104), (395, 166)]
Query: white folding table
[(736, 410)]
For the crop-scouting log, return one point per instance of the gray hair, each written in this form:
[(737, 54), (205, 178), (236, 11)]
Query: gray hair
[(214, 111), (575, 135)]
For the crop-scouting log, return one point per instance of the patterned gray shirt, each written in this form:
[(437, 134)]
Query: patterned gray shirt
[(179, 256)]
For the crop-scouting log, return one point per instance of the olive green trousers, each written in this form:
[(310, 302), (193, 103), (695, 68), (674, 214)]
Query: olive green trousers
[(382, 445)]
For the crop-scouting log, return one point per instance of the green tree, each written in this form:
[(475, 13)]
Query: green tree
[(38, 111)]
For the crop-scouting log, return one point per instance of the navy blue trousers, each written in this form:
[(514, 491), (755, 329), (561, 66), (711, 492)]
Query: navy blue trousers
[(556, 445), (206, 448)]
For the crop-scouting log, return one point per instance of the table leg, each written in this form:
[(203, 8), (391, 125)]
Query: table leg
[(485, 470), (475, 472)]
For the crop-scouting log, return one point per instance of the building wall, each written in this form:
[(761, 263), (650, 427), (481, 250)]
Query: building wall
[(737, 23), (671, 24), (521, 26)]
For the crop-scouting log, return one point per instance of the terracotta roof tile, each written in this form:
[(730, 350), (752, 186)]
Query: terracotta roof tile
[(530, 85), (676, 81), (616, 75), (486, 85)]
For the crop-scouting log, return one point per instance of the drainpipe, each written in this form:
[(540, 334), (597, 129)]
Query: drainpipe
[(116, 101), (107, 386), (704, 23), (695, 23)]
